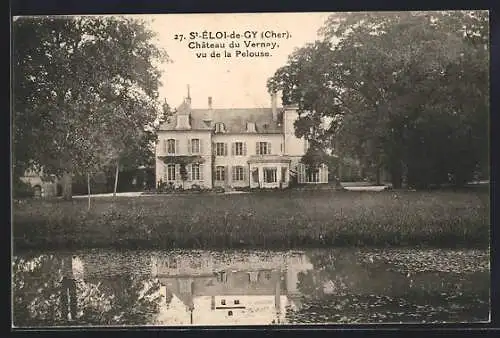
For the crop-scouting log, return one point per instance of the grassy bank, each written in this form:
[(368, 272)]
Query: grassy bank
[(270, 220)]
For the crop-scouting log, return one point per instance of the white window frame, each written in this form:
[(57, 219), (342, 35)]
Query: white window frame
[(195, 172), (238, 151), (238, 173), (171, 172), (197, 149), (264, 148), (220, 127), (313, 176), (274, 174), (220, 146), (220, 173), (171, 144)]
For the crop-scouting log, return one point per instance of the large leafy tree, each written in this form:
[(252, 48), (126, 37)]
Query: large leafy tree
[(310, 79), (405, 91), (85, 93)]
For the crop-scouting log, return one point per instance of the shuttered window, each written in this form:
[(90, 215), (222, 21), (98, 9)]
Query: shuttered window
[(238, 173), (195, 172), (220, 173), (220, 128), (221, 149), (194, 146), (171, 146), (239, 149), (263, 148), (171, 172)]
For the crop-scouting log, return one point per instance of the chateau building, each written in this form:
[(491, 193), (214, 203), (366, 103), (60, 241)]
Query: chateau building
[(230, 148)]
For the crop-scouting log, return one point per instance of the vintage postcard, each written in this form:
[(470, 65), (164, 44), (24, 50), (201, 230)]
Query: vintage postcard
[(269, 169)]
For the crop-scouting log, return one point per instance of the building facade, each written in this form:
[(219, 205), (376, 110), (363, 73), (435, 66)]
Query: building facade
[(42, 188), (233, 148)]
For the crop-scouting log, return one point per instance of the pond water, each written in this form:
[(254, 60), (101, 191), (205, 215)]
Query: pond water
[(165, 288)]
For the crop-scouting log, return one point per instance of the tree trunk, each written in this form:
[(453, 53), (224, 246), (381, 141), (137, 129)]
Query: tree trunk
[(68, 294), (67, 181), (339, 169), (338, 178), (116, 176), (380, 170), (405, 176), (396, 174), (88, 188)]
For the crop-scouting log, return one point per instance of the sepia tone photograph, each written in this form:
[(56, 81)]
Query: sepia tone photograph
[(250, 169)]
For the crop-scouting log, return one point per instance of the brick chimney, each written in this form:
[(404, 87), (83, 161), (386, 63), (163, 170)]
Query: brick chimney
[(210, 112), (274, 106)]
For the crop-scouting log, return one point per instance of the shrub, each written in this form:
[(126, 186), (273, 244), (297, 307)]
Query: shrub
[(246, 189)]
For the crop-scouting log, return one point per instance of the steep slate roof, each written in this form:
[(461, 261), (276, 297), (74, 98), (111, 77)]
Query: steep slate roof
[(235, 120)]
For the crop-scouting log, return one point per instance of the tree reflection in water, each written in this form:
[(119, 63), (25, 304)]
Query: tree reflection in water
[(45, 293), (322, 286), (350, 286), (36, 291)]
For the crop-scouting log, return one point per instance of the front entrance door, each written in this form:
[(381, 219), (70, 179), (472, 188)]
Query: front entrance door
[(270, 178)]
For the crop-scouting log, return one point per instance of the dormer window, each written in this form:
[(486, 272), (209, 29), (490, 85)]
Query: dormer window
[(251, 127), (183, 122), (220, 127)]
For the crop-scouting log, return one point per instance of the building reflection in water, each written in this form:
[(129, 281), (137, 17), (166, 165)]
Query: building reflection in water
[(160, 288), (101, 287), (210, 289)]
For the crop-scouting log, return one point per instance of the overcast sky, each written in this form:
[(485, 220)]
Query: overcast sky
[(232, 82)]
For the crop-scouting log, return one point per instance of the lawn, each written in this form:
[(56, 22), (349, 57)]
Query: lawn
[(285, 219)]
